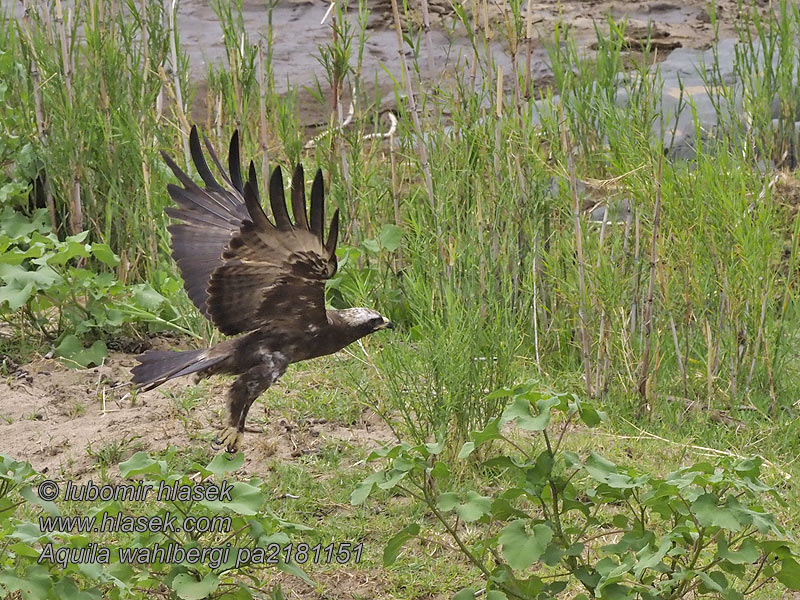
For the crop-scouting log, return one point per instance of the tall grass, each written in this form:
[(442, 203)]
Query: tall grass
[(487, 285)]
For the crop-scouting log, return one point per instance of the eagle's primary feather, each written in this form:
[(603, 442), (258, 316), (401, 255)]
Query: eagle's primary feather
[(252, 276)]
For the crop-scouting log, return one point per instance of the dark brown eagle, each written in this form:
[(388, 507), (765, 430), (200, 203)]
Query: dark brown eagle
[(250, 276)]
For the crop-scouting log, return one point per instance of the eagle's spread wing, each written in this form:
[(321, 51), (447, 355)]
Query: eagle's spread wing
[(275, 273), (260, 272), (210, 216)]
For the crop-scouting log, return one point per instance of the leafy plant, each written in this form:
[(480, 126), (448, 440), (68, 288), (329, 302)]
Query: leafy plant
[(251, 524), (556, 519), (365, 272), (48, 285)]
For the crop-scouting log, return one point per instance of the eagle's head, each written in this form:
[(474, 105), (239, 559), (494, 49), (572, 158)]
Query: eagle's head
[(363, 321)]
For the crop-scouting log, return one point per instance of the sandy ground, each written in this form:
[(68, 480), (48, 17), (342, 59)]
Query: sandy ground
[(68, 423)]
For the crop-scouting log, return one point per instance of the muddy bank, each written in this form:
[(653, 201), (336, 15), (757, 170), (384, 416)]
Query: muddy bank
[(299, 31)]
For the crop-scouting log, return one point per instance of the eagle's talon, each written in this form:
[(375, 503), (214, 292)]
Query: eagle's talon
[(230, 438), (233, 448)]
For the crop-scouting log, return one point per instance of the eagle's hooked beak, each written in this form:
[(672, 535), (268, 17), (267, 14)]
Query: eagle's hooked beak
[(387, 324)]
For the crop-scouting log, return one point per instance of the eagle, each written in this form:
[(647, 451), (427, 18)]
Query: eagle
[(261, 281)]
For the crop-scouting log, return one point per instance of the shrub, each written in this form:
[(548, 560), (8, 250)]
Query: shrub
[(558, 519)]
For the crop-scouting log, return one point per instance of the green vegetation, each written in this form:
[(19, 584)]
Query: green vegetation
[(246, 520), (465, 228), (700, 529)]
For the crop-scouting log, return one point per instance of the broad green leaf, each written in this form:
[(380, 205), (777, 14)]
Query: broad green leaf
[(391, 237), (502, 510), (388, 451), (146, 297), (33, 498), (466, 450), (78, 237), (552, 554), (396, 542), (590, 416), (246, 499), (471, 509), (105, 255), (500, 393), (393, 477), (222, 463), (651, 559), (76, 355), (709, 514), (541, 470), (14, 192), (763, 521), (630, 540), (16, 256), (65, 589), (66, 252), (293, 568), (616, 591), (466, 594), (15, 296), (746, 554), (447, 501), (35, 585), (41, 278), (474, 507), (92, 356), (28, 533), (520, 412), (364, 488), (440, 471), (434, 447), (141, 463), (605, 471), (70, 346), (16, 225), (188, 588), (711, 584), (521, 546), (24, 550), (778, 547), (490, 432), (789, 575), (371, 246)]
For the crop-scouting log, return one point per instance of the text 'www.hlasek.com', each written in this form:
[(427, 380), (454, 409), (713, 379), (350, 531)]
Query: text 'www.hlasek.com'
[(172, 525)]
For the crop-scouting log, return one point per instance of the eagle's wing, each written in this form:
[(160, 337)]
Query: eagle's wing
[(275, 273), (210, 216), (238, 268)]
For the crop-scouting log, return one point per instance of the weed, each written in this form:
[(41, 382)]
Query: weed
[(114, 451)]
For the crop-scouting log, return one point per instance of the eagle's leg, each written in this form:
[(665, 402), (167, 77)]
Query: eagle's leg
[(241, 396)]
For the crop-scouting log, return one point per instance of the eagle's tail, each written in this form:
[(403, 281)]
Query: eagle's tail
[(158, 366)]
